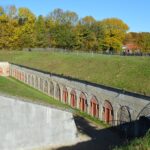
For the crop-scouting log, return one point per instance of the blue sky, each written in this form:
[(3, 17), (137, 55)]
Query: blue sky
[(136, 13)]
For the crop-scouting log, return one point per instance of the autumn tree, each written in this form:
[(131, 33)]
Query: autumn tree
[(26, 29), (114, 31), (87, 37), (61, 28), (41, 32), (8, 24)]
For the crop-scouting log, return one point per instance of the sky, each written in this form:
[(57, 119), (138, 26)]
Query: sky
[(135, 13)]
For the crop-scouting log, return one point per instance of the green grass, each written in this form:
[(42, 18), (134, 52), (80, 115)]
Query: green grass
[(128, 73), (137, 144), (11, 86)]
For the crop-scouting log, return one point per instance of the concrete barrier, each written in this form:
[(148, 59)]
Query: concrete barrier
[(4, 69), (25, 125)]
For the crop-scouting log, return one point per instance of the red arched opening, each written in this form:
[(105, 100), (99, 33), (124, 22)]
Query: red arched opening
[(108, 112), (7, 70), (22, 76), (65, 95), (82, 102), (73, 99), (94, 107), (19, 75), (1, 71), (15, 73)]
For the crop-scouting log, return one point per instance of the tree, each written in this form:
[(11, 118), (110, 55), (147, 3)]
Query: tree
[(88, 21), (144, 41), (41, 33), (114, 31), (26, 28), (6, 30), (19, 28), (86, 35)]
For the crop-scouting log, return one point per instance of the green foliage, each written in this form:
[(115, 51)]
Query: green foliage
[(140, 40), (41, 32), (114, 31), (137, 144), (20, 28)]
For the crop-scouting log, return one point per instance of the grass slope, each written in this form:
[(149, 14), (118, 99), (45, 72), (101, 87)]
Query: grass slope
[(128, 73), (16, 88), (13, 87), (137, 144)]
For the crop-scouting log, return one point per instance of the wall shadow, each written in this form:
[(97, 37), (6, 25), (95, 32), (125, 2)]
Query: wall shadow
[(105, 139)]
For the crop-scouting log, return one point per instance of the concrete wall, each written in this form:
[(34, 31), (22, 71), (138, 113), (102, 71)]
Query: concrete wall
[(25, 126), (4, 69), (111, 105)]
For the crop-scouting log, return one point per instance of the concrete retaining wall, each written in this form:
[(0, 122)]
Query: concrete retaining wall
[(4, 69), (25, 126)]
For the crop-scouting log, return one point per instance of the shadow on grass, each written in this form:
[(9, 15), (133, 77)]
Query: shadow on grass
[(101, 139)]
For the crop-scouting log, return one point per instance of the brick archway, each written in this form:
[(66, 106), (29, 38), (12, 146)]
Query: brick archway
[(22, 76), (108, 112), (36, 82), (41, 84), (123, 115), (15, 73), (51, 89), (19, 75), (58, 93), (33, 82), (94, 107), (83, 102), (73, 99), (1, 71), (46, 86), (65, 95)]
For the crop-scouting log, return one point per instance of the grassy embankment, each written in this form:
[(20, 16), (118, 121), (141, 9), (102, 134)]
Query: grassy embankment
[(12, 87), (137, 144), (128, 73)]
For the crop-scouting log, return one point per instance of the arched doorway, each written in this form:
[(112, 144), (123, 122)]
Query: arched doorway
[(29, 79), (46, 87), (19, 75), (22, 76), (123, 121), (32, 79), (26, 78), (94, 107), (108, 112), (41, 84), (57, 93), (36, 82), (15, 73), (123, 115), (1, 71), (73, 99), (83, 102), (51, 89), (65, 95)]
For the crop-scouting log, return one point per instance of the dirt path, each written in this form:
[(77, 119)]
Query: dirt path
[(100, 139)]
